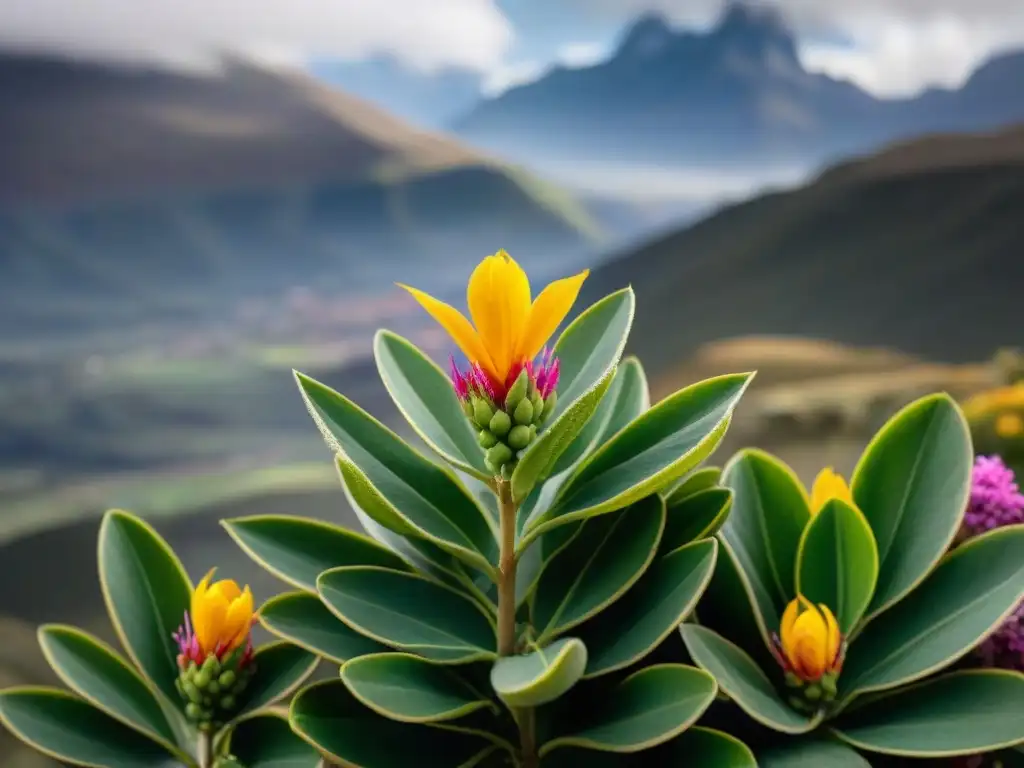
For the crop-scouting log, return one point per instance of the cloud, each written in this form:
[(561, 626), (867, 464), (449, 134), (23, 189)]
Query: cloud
[(571, 55), (425, 34), (895, 47)]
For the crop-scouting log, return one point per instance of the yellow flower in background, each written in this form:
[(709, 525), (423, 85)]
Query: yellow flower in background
[(809, 643), (1009, 425), (509, 327), (827, 486), (996, 399)]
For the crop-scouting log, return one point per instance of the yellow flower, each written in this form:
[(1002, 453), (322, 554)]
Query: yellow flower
[(809, 641), (996, 399), (827, 486), (1009, 425), (508, 327), (222, 616)]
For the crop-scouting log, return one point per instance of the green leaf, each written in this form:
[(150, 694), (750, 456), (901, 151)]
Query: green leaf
[(280, 669), (542, 676), (147, 592), (695, 482), (631, 399), (810, 753), (837, 562), (267, 741), (597, 567), (328, 716), (646, 709), (298, 549), (770, 510), (638, 623), (395, 485), (69, 729), (961, 713), (743, 681), (303, 620), (410, 613), (99, 675), (695, 517), (426, 398), (411, 689), (705, 747), (969, 595), (912, 484), (588, 352), (656, 448)]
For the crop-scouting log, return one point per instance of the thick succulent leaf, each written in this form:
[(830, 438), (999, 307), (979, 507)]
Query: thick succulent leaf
[(597, 567), (695, 517), (411, 689), (329, 717), (631, 398), (588, 350), (810, 752), (696, 481), (646, 709), (146, 591), (267, 741), (395, 485), (912, 484), (652, 609), (424, 394), (69, 729), (961, 713), (410, 613), (962, 601), (770, 510), (280, 669), (99, 675), (298, 549), (705, 747), (303, 620), (539, 677), (743, 681), (661, 445), (837, 562)]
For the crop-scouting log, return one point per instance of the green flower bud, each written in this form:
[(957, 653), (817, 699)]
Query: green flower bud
[(538, 406), (486, 438), (213, 688), (812, 692), (193, 693), (518, 391), (467, 408), (482, 412), (549, 406), (497, 456), (211, 666), (227, 679), (201, 679), (193, 711), (523, 413), (519, 437), (228, 703), (500, 424)]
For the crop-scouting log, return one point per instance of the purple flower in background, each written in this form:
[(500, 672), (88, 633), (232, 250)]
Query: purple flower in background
[(996, 501), (995, 497)]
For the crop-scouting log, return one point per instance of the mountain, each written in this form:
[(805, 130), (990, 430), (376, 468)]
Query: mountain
[(737, 94), (916, 248), (138, 189), (431, 99)]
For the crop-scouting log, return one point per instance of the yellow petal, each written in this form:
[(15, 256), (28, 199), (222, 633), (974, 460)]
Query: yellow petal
[(208, 620), (827, 486), (788, 619), (200, 593), (547, 313), (238, 621), (834, 636), (457, 326), (810, 638), (499, 302), (228, 588)]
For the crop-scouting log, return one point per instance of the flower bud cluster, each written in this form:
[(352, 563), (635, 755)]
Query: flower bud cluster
[(212, 690)]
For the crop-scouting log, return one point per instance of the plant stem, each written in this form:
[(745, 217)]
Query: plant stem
[(507, 571), (527, 719), (204, 749)]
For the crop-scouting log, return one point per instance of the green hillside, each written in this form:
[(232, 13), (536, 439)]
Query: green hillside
[(911, 249)]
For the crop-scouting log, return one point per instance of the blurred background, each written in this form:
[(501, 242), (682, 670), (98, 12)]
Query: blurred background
[(198, 196)]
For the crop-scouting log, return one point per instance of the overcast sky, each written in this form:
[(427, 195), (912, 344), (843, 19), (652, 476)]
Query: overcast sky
[(888, 46)]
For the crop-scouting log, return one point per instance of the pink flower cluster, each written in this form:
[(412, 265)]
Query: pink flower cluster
[(476, 381)]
